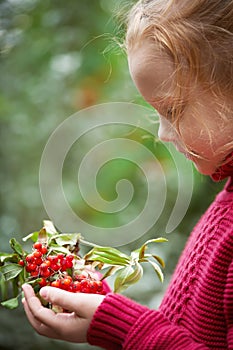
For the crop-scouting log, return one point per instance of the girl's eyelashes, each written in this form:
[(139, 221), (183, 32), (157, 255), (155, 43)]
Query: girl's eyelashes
[(170, 112)]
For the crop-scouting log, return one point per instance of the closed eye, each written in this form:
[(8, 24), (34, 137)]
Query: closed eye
[(170, 112)]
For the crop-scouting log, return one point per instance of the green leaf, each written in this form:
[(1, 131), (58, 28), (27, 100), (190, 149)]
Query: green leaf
[(111, 271), (43, 236), (10, 271), (3, 288), (33, 236), (16, 247), (11, 303), (156, 257), (49, 227), (102, 258), (157, 270), (127, 276), (159, 259), (107, 255), (144, 246), (4, 257), (67, 238), (56, 248)]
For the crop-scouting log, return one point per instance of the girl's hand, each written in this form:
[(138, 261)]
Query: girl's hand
[(71, 326)]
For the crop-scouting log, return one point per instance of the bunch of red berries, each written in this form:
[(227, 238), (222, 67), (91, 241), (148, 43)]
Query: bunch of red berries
[(80, 284), (57, 270)]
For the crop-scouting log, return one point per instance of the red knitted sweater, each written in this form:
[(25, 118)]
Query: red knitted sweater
[(197, 310)]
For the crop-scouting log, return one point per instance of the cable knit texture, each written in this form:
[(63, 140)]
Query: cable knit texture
[(196, 312)]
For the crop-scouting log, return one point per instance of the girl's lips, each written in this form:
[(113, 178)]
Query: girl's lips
[(185, 153)]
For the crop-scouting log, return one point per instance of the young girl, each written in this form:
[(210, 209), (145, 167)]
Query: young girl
[(180, 56)]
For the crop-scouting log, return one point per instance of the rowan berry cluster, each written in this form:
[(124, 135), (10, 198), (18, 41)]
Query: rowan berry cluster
[(56, 270)]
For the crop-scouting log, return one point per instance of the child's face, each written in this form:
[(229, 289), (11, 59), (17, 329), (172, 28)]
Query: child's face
[(202, 132)]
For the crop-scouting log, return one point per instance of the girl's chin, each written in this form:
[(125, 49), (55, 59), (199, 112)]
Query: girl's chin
[(204, 169)]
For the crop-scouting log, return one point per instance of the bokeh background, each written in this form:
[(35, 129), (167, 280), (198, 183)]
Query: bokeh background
[(58, 57)]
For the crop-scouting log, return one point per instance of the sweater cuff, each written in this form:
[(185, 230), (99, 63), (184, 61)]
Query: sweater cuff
[(113, 320)]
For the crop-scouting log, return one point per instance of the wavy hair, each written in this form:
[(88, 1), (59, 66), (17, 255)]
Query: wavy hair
[(198, 37)]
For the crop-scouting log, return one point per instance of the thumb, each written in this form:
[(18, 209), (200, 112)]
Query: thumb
[(83, 304)]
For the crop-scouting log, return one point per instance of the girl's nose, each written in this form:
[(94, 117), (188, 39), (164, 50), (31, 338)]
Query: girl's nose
[(166, 132)]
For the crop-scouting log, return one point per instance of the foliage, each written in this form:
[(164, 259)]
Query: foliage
[(127, 268)]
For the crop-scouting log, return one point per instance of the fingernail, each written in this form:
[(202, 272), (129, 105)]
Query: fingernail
[(23, 286), (44, 292)]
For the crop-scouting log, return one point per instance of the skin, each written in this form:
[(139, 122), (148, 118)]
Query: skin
[(71, 326), (202, 130)]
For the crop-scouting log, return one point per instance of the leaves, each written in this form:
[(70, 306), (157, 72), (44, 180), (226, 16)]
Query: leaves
[(12, 303), (16, 247), (145, 245), (10, 271), (43, 236), (127, 268), (6, 257), (67, 238), (107, 255), (49, 227), (127, 276), (157, 270), (33, 236)]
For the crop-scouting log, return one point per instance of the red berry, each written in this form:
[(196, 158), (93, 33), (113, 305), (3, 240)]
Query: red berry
[(67, 280), (80, 277), (63, 265), (42, 282), (85, 286), (43, 250), (38, 261), (53, 258), (93, 286), (45, 273), (34, 273), (69, 257), (37, 254), (55, 283), (43, 266), (69, 264), (76, 287), (60, 256), (33, 267), (37, 245), (21, 262), (30, 258), (47, 262), (55, 267)]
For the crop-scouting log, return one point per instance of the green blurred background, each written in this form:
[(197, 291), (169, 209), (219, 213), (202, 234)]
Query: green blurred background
[(58, 57)]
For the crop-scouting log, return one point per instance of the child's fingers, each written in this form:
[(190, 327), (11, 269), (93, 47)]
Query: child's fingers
[(36, 313), (67, 326), (46, 322), (82, 304), (37, 325)]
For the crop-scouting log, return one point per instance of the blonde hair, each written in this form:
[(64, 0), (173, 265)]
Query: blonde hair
[(198, 37)]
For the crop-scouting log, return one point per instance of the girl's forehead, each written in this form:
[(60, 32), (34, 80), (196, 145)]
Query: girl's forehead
[(151, 70)]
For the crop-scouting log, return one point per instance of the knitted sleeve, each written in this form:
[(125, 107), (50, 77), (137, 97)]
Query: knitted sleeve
[(120, 323), (228, 306)]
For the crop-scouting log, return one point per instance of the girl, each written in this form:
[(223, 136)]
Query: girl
[(180, 56)]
